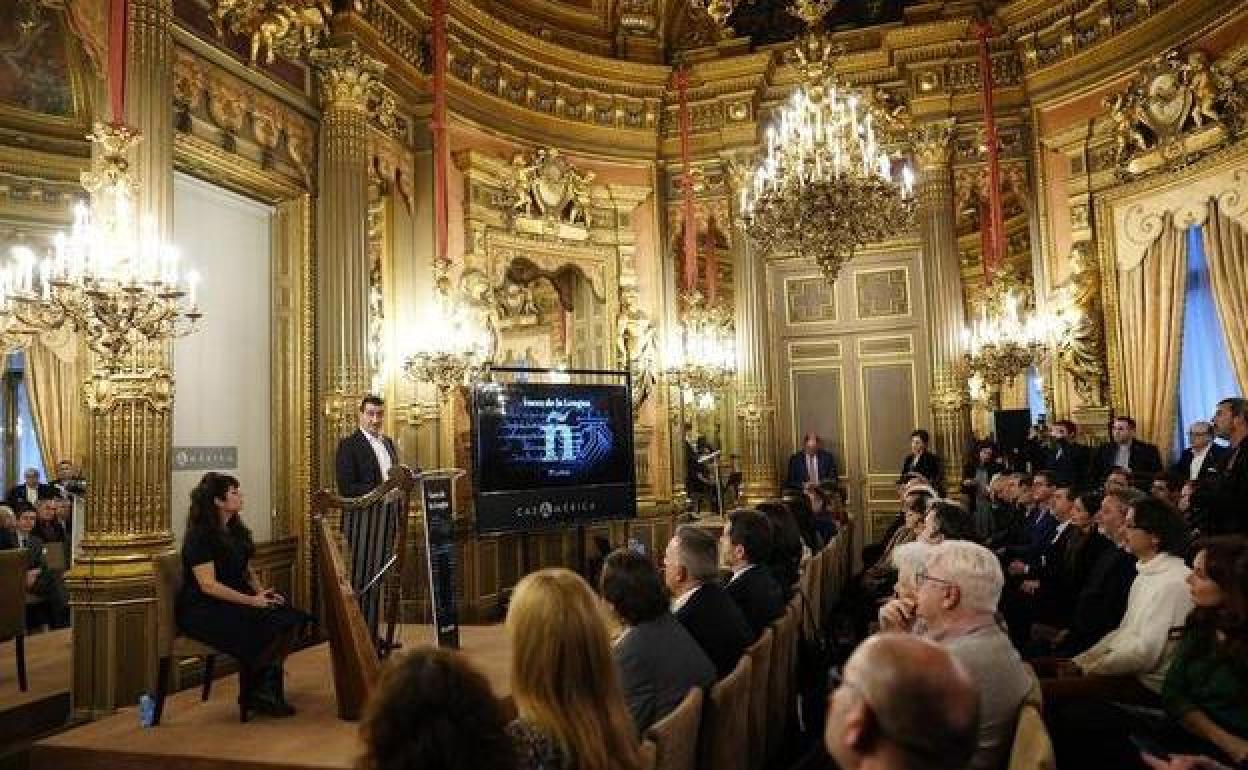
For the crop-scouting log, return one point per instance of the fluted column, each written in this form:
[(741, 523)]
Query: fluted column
[(943, 278), (130, 407), (755, 402), (348, 79)]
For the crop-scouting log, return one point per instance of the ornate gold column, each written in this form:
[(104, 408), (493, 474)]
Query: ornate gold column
[(127, 515), (348, 80), (933, 143), (755, 405)]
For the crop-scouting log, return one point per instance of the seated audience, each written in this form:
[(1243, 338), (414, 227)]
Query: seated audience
[(41, 580), (946, 520), (30, 491), (811, 466), (798, 506), (571, 710), (827, 507), (1038, 527), (1225, 513), (712, 618), (955, 606), (1125, 451), (1067, 572), (1035, 580), (920, 460), (658, 661), (49, 527), (902, 703), (976, 478), (432, 710), (1119, 478), (1008, 516), (877, 580), (785, 555), (747, 541), (1201, 457), (897, 614), (1068, 459), (223, 604)]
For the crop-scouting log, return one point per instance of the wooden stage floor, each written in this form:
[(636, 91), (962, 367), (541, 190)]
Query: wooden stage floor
[(195, 735), (45, 705)]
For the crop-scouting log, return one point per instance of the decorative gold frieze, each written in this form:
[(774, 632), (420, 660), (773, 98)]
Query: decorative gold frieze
[(286, 27), (349, 77), (1071, 27), (546, 186)]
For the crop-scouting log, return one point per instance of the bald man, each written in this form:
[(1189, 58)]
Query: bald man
[(903, 703)]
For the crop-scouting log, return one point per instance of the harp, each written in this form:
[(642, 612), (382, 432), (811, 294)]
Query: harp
[(353, 652)]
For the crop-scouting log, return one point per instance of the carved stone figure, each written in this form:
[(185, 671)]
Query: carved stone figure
[(1082, 351), (288, 27), (1206, 87), (1125, 113), (549, 187), (636, 342), (516, 300)]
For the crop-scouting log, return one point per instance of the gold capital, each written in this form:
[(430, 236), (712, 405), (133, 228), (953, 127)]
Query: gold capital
[(933, 144), (349, 77)]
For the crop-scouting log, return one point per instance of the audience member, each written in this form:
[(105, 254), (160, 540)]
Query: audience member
[(1127, 452), (902, 703), (1039, 525), (798, 506), (432, 710), (1201, 457), (1070, 570), (571, 709), (976, 478), (712, 618), (921, 460), (1068, 459), (1036, 579), (31, 490), (827, 507), (49, 526), (784, 557), (1166, 488), (41, 580), (956, 599), (1226, 509), (811, 466), (897, 614), (747, 541), (658, 661), (69, 482), (946, 520)]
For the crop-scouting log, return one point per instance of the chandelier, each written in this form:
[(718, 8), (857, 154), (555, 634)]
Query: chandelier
[(1005, 341), (450, 346), (112, 278), (702, 355), (828, 184)]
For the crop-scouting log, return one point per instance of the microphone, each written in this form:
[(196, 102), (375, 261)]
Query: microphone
[(704, 459)]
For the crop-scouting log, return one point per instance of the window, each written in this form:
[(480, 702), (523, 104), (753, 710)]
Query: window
[(17, 425)]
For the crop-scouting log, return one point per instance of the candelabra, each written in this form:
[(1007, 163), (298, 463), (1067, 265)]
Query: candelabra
[(451, 346), (702, 356), (112, 278), (1005, 342), (828, 184)]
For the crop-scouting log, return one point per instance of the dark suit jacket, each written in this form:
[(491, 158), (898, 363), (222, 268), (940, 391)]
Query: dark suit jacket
[(798, 476), (19, 493), (1102, 602), (659, 662), (1145, 462), (356, 464), (759, 596), (929, 465), (1039, 525), (1209, 468), (1226, 495), (715, 622), (1069, 462)]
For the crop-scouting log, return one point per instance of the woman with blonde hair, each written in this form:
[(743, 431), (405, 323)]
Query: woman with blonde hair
[(570, 706)]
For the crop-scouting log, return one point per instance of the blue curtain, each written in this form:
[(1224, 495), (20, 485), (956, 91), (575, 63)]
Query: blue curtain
[(1205, 374)]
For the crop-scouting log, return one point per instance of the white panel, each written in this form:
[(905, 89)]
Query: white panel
[(222, 371)]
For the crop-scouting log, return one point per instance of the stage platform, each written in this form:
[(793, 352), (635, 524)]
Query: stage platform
[(197, 735), (45, 706)]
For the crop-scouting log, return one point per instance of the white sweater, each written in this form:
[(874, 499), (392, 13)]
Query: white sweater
[(1159, 601)]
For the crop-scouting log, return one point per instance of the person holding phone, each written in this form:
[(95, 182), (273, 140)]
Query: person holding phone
[(223, 604)]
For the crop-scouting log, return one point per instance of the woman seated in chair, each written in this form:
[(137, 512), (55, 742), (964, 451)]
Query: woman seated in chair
[(224, 606)]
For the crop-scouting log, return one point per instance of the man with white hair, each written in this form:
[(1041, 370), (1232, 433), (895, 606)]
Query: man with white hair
[(956, 600)]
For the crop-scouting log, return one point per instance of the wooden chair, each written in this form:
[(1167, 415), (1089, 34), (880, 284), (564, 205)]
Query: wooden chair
[(759, 654), (674, 738), (647, 754), (13, 607), (1032, 748), (171, 646), (783, 645), (724, 743)]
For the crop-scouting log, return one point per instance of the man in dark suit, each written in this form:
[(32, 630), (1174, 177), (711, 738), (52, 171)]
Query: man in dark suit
[(1200, 460), (1229, 489), (31, 490), (712, 618), (1068, 459), (922, 461), (747, 541), (1039, 527), (659, 662), (811, 466), (40, 580), (1125, 451), (362, 464)]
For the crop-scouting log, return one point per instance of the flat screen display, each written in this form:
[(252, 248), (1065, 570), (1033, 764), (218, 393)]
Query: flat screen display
[(549, 454)]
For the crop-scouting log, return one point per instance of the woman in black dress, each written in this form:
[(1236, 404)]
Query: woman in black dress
[(223, 605)]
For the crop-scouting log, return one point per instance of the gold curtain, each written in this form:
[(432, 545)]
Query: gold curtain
[(1226, 248), (54, 386), (1150, 326)]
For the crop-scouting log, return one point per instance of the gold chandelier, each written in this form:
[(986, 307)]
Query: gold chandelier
[(450, 346), (828, 184), (112, 278), (702, 355), (1006, 340)]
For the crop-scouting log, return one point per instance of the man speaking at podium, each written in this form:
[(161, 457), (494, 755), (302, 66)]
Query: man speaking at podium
[(362, 464)]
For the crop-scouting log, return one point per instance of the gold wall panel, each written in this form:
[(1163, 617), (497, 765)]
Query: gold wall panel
[(888, 393), (882, 293), (801, 351), (809, 300), (902, 344), (818, 405)]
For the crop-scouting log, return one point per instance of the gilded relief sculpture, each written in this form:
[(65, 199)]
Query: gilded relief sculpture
[(275, 27), (547, 187), (1082, 350), (637, 343)]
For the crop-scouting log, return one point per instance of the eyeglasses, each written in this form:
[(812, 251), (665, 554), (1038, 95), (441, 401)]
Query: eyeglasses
[(921, 576)]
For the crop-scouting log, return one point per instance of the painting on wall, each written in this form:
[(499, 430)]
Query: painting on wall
[(35, 70)]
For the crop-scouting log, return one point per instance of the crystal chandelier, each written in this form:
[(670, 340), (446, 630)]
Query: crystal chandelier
[(1005, 341), (828, 184), (702, 355), (112, 278), (450, 346)]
